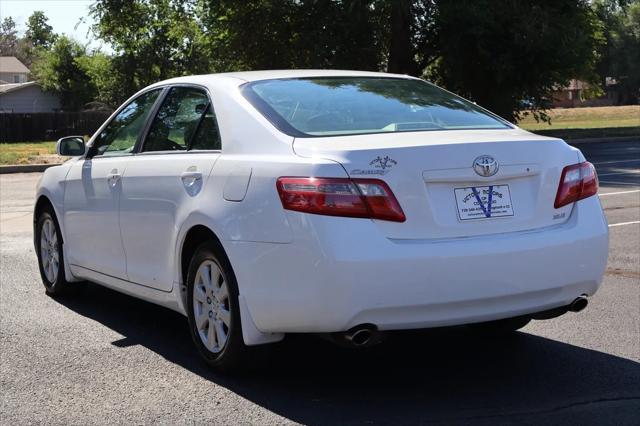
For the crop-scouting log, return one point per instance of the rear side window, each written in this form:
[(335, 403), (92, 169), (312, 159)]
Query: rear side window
[(208, 136), (358, 105), (185, 120)]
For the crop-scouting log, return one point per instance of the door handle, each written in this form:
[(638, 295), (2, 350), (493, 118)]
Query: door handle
[(190, 177), (113, 177)]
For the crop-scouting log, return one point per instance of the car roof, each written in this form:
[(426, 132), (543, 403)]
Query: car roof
[(274, 74), (248, 76)]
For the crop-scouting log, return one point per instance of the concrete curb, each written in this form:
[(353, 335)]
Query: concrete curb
[(25, 168)]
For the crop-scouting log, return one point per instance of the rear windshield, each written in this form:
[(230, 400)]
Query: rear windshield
[(334, 106)]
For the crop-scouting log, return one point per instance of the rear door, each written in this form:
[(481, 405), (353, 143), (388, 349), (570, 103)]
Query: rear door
[(164, 182)]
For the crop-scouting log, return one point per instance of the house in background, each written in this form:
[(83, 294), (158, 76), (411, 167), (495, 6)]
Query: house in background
[(12, 70), (569, 96), (27, 98), (575, 94), (17, 95)]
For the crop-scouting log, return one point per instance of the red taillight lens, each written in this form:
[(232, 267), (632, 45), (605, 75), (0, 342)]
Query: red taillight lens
[(577, 182), (367, 198)]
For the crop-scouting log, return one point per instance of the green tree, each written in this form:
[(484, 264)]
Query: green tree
[(499, 52), (628, 67), (39, 31), (152, 40), (11, 44), (495, 52), (620, 55), (59, 70), (8, 37), (100, 69), (412, 35), (263, 34)]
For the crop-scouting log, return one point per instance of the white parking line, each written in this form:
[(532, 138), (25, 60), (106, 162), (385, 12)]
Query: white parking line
[(623, 223), (628, 172), (636, 160), (620, 183), (619, 192)]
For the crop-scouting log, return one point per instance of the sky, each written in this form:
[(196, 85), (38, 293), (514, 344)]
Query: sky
[(70, 17)]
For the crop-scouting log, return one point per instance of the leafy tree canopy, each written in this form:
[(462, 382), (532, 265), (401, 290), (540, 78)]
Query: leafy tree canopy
[(499, 52), (494, 52), (619, 57), (39, 32), (60, 70), (153, 40), (11, 44)]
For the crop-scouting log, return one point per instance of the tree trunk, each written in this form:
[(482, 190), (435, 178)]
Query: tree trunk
[(401, 52)]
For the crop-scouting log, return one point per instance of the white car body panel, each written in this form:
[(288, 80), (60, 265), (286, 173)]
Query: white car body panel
[(531, 165), (91, 206), (158, 191), (300, 272), (346, 274)]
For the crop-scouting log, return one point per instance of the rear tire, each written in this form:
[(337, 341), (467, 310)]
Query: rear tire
[(503, 327), (213, 308), (50, 254)]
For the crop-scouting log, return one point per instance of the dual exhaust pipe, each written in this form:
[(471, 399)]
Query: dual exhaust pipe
[(365, 335)]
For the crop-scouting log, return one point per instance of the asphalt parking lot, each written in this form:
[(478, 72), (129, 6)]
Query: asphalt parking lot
[(102, 357)]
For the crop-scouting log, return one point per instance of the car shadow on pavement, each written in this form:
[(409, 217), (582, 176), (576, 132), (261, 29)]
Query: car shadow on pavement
[(415, 377)]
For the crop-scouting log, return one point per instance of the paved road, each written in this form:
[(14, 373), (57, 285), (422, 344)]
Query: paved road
[(103, 357)]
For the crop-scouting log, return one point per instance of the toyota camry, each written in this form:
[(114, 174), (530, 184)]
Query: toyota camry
[(347, 204)]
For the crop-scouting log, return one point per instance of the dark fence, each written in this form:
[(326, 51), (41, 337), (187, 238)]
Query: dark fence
[(48, 126)]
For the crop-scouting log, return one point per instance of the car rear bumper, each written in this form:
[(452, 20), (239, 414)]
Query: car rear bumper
[(339, 273)]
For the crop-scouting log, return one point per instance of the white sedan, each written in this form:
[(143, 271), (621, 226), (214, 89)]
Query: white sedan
[(337, 202)]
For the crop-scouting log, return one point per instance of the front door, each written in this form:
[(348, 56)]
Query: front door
[(164, 183), (93, 189)]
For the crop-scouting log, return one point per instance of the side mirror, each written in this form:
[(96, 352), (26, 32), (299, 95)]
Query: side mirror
[(70, 146)]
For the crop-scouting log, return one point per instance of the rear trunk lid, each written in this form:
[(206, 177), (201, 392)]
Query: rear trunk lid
[(442, 194)]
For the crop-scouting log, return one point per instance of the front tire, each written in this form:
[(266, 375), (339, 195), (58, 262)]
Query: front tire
[(213, 308), (50, 254)]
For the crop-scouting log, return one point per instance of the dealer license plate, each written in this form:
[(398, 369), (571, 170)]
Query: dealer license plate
[(482, 202)]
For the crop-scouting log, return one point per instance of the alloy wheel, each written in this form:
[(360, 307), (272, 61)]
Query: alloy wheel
[(49, 255), (211, 307)]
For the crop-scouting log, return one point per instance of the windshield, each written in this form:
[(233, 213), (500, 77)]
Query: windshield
[(333, 106)]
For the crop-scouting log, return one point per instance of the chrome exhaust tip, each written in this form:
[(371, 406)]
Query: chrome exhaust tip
[(579, 304), (360, 336)]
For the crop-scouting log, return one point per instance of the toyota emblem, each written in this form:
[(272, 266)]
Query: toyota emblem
[(485, 165)]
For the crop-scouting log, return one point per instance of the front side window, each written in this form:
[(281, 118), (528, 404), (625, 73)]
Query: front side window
[(121, 134), (184, 121), (332, 106)]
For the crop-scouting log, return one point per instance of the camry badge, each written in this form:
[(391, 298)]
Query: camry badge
[(485, 165)]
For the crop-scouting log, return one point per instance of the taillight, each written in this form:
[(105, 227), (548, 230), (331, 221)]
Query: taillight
[(577, 182), (367, 198)]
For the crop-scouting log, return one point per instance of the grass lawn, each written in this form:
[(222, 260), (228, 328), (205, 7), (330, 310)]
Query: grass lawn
[(28, 153), (587, 118)]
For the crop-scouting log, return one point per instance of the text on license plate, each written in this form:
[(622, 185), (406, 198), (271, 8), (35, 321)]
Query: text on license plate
[(480, 202)]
